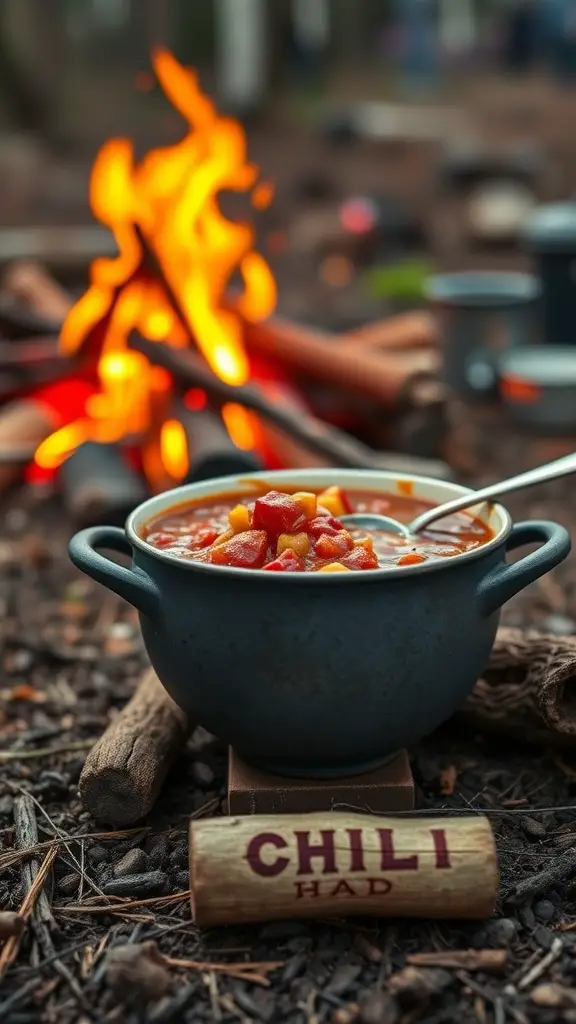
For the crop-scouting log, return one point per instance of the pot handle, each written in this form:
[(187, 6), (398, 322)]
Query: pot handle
[(504, 581), (133, 584)]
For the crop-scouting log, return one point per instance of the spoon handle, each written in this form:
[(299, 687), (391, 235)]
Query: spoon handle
[(550, 471)]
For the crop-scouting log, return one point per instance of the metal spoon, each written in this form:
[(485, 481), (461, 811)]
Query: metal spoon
[(375, 521)]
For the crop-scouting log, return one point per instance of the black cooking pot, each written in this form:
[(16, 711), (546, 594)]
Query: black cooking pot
[(319, 674)]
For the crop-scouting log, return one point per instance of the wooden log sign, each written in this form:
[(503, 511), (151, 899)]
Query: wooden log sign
[(258, 868)]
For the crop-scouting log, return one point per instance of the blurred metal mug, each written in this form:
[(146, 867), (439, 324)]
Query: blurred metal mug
[(481, 314), (550, 235)]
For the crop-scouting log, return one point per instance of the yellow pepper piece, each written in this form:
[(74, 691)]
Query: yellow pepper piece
[(307, 502), (298, 542), (334, 567), (332, 502), (239, 519), (364, 542)]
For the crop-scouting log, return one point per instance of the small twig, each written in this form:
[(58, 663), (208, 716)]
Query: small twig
[(489, 960), (538, 969), (29, 755), (8, 860), (12, 945), (122, 906), (243, 966)]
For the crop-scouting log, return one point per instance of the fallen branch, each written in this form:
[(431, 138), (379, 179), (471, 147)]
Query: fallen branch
[(124, 771)]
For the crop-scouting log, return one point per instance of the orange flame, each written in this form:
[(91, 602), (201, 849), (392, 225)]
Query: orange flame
[(170, 198)]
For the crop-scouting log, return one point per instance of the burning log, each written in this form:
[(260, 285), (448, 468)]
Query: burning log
[(334, 445), (378, 375), (16, 321), (29, 284), (99, 486), (24, 423), (212, 452), (259, 868)]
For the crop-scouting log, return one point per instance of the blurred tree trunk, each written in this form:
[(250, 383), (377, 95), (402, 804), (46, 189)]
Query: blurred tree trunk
[(32, 55), (159, 22)]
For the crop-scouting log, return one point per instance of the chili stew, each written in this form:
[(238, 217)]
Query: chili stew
[(301, 532)]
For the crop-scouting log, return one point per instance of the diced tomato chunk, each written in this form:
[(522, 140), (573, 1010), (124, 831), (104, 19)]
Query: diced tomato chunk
[(288, 561), (323, 524), (244, 551), (160, 539), (277, 513), (202, 537), (411, 559), (333, 546), (361, 558)]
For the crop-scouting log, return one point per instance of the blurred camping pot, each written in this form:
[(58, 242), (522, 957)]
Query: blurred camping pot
[(481, 315), (538, 387), (550, 234)]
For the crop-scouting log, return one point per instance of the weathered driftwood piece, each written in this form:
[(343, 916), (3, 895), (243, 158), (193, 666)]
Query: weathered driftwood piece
[(528, 689), (257, 868), (124, 772)]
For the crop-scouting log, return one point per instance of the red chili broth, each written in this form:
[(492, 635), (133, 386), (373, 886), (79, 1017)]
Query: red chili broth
[(189, 531)]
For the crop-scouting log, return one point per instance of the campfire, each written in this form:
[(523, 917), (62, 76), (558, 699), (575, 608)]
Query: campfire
[(170, 366)]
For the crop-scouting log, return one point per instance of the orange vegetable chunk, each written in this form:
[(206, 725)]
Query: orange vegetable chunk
[(298, 542), (411, 559), (239, 518), (333, 546), (307, 501), (335, 500), (334, 567)]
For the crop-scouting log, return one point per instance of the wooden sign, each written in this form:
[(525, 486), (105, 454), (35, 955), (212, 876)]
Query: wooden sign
[(258, 868)]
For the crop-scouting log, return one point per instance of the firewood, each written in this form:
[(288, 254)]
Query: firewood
[(526, 689), (331, 443), (404, 331), (124, 772), (30, 284), (24, 423), (381, 376), (257, 868)]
